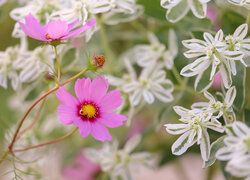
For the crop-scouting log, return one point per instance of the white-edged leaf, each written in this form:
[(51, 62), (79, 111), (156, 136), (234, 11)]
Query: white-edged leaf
[(205, 145), (241, 31), (199, 9), (132, 143), (240, 129), (181, 144), (230, 96), (208, 38), (177, 12), (226, 75), (215, 146), (176, 128), (196, 67)]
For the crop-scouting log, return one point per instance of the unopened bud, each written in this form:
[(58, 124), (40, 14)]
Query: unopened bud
[(99, 60)]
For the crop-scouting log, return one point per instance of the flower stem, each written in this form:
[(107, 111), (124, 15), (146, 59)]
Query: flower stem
[(47, 143), (177, 76), (37, 101), (33, 122), (4, 156), (183, 86), (248, 19), (58, 67)]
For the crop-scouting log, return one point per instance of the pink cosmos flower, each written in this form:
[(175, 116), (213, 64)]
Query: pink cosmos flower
[(84, 169), (54, 30), (90, 111)]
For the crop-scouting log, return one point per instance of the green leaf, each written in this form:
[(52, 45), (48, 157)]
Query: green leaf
[(202, 81), (153, 9), (239, 83), (233, 20), (223, 166), (215, 146)]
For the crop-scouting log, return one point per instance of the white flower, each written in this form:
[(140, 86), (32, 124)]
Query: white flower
[(120, 162), (245, 3), (193, 128), (9, 69), (215, 106), (213, 53), (40, 61), (148, 55), (177, 9), (236, 42), (237, 150)]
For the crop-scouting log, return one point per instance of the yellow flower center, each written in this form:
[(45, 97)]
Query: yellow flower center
[(47, 36), (88, 111)]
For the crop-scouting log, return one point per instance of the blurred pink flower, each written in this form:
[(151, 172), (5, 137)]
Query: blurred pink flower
[(217, 82), (54, 30), (211, 13), (84, 169), (90, 112)]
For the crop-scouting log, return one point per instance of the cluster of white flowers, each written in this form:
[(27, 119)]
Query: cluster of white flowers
[(177, 9), (244, 3), (113, 12), (152, 80), (195, 122), (237, 150), (20, 65), (217, 55), (149, 55), (120, 162)]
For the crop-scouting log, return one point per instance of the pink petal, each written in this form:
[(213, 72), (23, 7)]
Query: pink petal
[(78, 31), (66, 114), (66, 98), (72, 25), (57, 29), (98, 88), (82, 89), (111, 101), (84, 127), (33, 29), (100, 132), (112, 120)]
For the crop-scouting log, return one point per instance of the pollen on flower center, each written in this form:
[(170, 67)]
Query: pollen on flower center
[(88, 111), (47, 36)]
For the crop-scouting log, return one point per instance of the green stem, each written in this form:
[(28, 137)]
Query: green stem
[(183, 86), (248, 19), (4, 156), (58, 67), (177, 76)]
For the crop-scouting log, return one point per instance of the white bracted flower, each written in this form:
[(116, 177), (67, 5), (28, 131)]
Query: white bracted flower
[(193, 128), (237, 150), (39, 61), (245, 3), (213, 54), (9, 64), (177, 9), (151, 83), (120, 162), (215, 106), (148, 55), (238, 42)]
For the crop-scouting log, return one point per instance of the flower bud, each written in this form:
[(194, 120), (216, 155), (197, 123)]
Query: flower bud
[(97, 62)]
